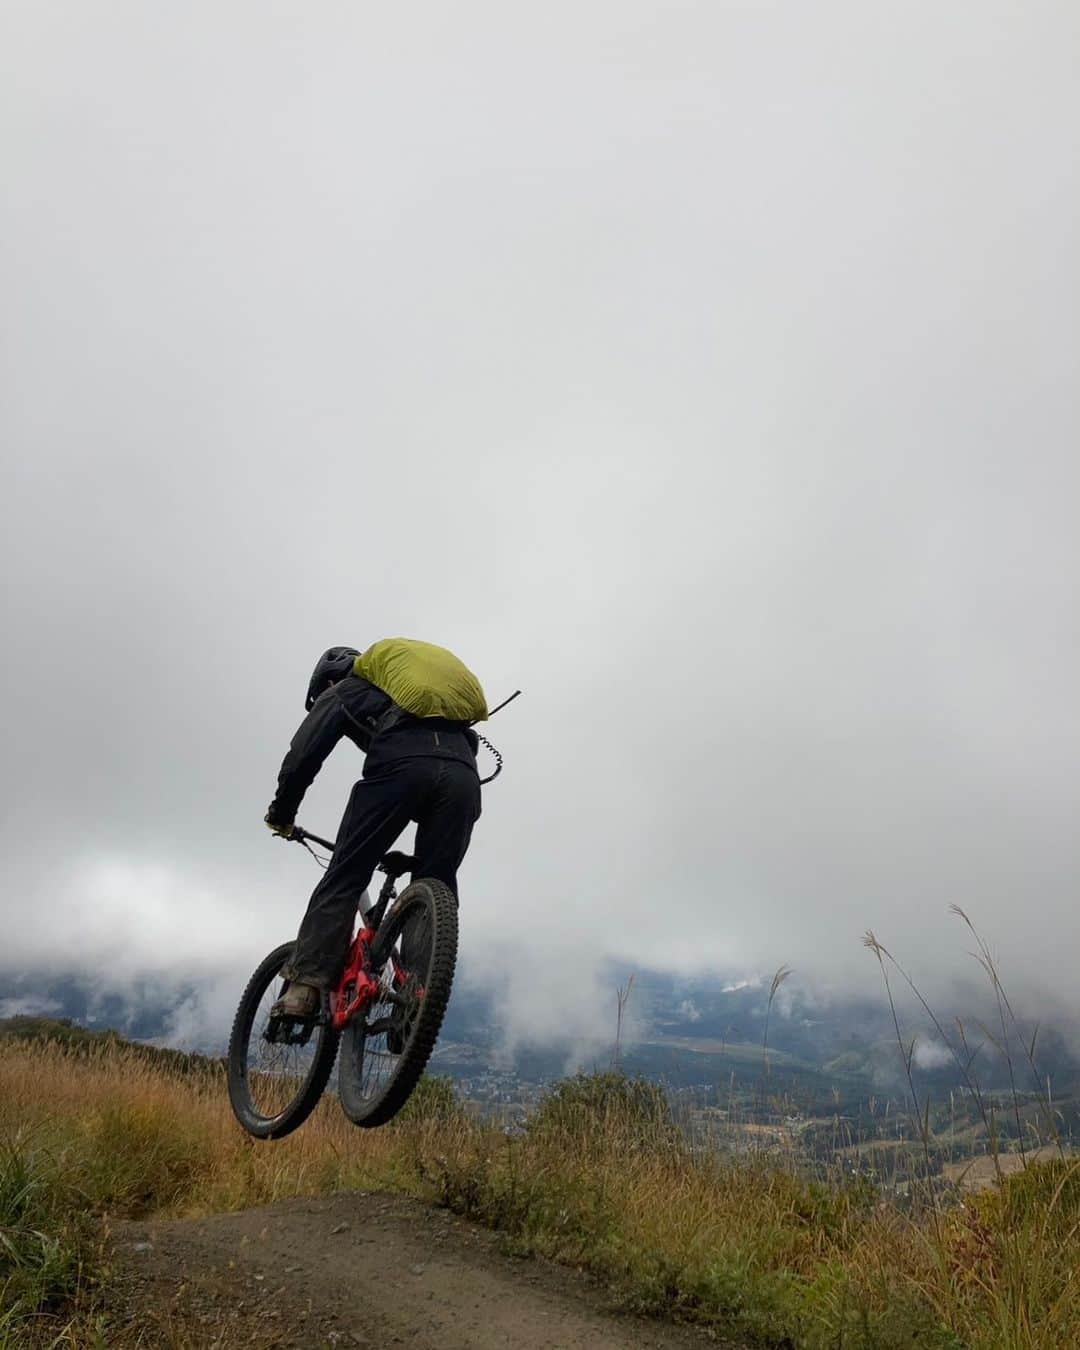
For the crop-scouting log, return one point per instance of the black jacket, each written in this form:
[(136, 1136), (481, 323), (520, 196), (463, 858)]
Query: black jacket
[(371, 720)]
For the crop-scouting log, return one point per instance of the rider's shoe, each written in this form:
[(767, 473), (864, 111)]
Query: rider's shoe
[(298, 1000)]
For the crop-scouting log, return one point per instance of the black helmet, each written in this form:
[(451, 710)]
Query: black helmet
[(334, 664)]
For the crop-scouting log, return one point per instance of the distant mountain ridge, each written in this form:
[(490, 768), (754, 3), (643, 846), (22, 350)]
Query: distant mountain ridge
[(699, 1030)]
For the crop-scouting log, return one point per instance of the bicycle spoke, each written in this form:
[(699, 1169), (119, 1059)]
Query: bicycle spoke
[(276, 1069)]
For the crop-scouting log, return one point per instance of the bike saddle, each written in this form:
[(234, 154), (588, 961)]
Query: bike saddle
[(396, 863)]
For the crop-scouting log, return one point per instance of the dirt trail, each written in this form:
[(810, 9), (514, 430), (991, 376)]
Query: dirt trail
[(280, 1277)]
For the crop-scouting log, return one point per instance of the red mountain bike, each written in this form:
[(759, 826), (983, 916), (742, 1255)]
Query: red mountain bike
[(385, 1013)]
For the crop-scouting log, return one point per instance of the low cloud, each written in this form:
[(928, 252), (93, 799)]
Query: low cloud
[(29, 1005), (932, 1055), (761, 482)]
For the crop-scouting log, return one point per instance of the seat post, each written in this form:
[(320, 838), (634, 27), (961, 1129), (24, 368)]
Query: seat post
[(394, 864), (374, 916)]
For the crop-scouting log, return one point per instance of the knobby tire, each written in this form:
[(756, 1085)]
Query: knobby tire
[(425, 900), (310, 1088)]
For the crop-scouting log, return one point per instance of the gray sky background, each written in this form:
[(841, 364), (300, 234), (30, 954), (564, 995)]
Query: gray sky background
[(708, 370)]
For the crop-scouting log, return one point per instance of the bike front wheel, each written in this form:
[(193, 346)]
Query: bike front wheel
[(385, 1049), (276, 1073)]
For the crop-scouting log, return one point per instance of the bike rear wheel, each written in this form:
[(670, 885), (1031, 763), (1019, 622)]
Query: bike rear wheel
[(275, 1082), (385, 1050)]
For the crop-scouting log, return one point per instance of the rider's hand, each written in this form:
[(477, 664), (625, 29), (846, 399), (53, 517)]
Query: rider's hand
[(281, 829)]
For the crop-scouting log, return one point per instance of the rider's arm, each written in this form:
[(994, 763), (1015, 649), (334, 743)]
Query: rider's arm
[(350, 708), (317, 735)]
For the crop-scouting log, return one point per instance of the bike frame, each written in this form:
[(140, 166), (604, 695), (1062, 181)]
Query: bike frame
[(359, 986)]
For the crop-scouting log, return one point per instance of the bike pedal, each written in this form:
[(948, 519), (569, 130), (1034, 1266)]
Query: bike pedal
[(283, 1030)]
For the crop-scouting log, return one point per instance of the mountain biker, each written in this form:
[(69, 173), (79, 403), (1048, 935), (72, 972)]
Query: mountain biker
[(420, 769)]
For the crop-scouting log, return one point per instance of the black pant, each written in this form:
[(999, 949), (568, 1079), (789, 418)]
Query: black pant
[(441, 795)]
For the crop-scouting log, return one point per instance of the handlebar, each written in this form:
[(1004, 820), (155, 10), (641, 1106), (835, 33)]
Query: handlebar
[(300, 835)]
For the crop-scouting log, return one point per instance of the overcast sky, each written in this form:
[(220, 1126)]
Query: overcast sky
[(708, 370)]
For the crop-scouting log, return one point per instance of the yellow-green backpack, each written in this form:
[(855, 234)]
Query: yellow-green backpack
[(425, 680)]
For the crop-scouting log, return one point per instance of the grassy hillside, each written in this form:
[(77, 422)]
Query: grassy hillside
[(92, 1130), (78, 1040)]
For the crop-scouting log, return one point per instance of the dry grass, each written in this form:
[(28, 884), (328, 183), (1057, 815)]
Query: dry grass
[(601, 1181), (144, 1139)]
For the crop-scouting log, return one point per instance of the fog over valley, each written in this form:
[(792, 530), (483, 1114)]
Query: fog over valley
[(707, 372)]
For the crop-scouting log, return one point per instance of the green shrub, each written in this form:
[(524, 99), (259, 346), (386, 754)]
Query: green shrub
[(45, 1240), (1045, 1196), (433, 1102), (140, 1158), (600, 1110)]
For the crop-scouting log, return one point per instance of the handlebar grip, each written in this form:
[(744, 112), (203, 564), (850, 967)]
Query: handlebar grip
[(300, 835)]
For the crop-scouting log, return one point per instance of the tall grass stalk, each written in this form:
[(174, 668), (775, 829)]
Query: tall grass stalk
[(1041, 1085), (1014, 1249)]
